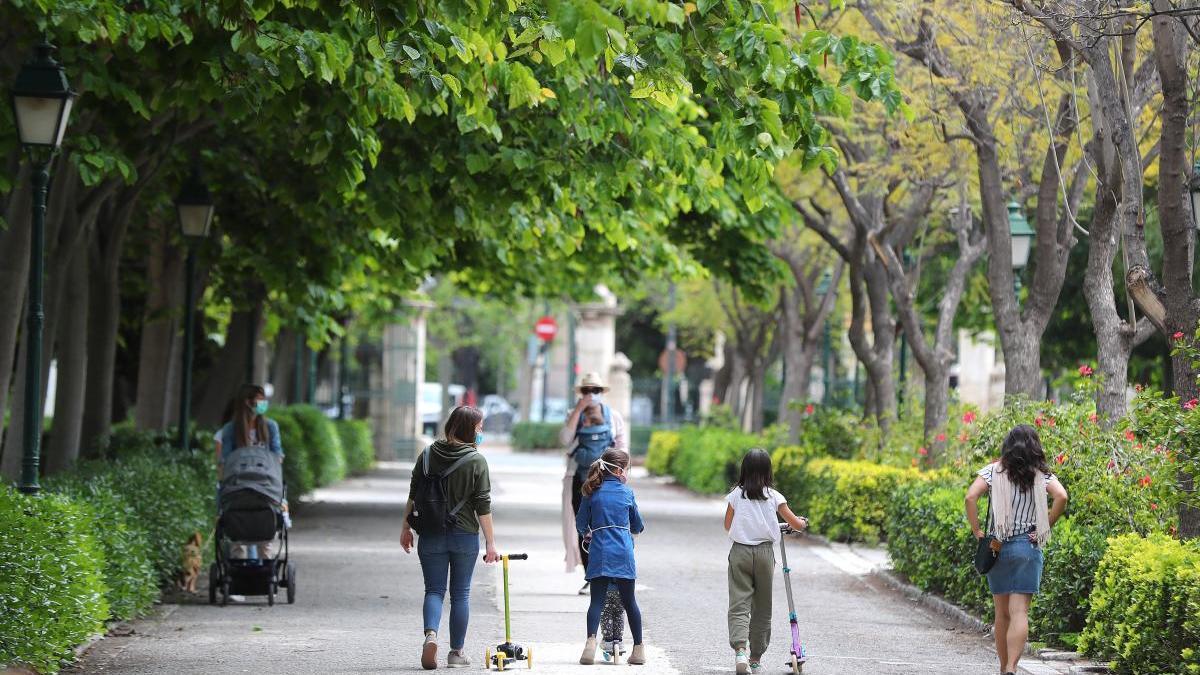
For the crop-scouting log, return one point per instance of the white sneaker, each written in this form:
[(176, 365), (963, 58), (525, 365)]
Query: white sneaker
[(456, 659), (586, 588), (429, 651), (741, 662)]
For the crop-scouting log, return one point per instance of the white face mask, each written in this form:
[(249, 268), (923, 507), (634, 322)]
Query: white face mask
[(597, 398)]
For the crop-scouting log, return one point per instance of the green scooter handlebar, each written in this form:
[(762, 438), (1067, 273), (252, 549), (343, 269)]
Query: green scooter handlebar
[(514, 556)]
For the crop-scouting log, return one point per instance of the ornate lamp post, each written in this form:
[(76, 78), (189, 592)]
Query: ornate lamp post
[(1021, 237), (41, 100), (195, 209)]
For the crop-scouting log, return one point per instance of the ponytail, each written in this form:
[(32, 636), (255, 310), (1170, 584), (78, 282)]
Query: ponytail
[(609, 462)]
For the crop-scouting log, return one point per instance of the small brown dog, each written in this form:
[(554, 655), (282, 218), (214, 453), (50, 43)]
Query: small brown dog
[(193, 558)]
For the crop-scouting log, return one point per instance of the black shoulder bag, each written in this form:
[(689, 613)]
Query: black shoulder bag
[(987, 549)]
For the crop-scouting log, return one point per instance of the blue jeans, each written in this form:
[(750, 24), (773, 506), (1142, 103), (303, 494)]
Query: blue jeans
[(452, 554)]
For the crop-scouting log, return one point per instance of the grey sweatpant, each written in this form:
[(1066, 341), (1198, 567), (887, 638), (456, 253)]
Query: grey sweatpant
[(751, 571)]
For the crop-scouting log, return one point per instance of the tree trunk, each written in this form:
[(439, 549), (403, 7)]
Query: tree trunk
[(758, 377), (1170, 51), (104, 314), (283, 366), (937, 404), (62, 226), (72, 348), (14, 273), (160, 322), (229, 370), (737, 378)]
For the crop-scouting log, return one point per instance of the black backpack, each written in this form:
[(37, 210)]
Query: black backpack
[(431, 506)]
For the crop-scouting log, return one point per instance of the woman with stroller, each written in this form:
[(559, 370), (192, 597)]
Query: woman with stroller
[(450, 556), (249, 426)]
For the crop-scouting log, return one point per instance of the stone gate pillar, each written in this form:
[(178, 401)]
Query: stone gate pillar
[(396, 408)]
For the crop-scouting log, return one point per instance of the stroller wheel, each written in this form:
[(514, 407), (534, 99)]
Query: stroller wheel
[(291, 583), (214, 580), (271, 593), (224, 592)]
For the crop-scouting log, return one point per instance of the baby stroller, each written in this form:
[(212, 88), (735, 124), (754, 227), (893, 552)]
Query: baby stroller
[(249, 521)]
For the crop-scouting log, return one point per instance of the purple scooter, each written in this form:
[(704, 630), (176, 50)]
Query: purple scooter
[(796, 662)]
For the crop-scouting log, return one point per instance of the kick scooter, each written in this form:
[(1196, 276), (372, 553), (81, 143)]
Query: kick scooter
[(508, 653), (797, 655)]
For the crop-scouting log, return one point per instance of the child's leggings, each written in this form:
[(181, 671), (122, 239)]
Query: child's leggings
[(599, 590), (751, 571)]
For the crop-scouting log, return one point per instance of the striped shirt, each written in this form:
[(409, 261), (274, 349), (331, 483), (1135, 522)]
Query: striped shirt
[(1024, 508)]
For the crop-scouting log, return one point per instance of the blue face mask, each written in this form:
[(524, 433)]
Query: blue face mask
[(478, 438), (260, 407)]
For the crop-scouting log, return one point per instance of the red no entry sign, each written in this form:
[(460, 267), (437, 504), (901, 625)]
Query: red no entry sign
[(545, 328)]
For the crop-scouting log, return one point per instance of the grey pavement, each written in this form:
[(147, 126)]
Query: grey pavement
[(359, 595)]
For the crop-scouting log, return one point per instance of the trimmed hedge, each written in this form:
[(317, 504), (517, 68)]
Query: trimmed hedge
[(129, 567), (52, 591), (639, 439), (707, 458), (1145, 609), (535, 436), (662, 448), (297, 467), (844, 500), (320, 441), (357, 445), (930, 543)]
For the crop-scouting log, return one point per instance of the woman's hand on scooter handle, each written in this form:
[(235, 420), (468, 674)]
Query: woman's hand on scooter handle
[(491, 555)]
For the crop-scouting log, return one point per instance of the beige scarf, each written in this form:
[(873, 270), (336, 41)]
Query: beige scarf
[(1004, 493)]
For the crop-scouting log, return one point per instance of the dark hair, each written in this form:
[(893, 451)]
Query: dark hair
[(756, 475), (244, 416), (1023, 456), (461, 424), (597, 472)]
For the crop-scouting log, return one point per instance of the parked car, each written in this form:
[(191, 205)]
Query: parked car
[(555, 412), (433, 407), (498, 414)]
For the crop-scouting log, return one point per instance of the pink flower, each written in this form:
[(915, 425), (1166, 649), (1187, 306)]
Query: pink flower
[(1093, 418), (968, 417), (809, 409), (1038, 421), (1190, 405), (1086, 370), (1153, 506), (922, 452), (940, 438), (964, 437), (1062, 457), (1178, 335), (1144, 481), (1129, 435)]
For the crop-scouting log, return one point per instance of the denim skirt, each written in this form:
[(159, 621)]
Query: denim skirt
[(1018, 569)]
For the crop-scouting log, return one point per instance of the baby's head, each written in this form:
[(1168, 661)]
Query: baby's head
[(593, 415)]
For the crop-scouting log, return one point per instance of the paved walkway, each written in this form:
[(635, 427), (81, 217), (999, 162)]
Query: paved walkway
[(359, 596)]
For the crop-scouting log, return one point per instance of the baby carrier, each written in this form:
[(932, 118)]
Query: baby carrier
[(593, 441), (250, 514)]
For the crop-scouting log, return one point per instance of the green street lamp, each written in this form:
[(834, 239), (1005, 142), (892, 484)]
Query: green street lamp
[(1021, 238), (41, 100), (194, 207)]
